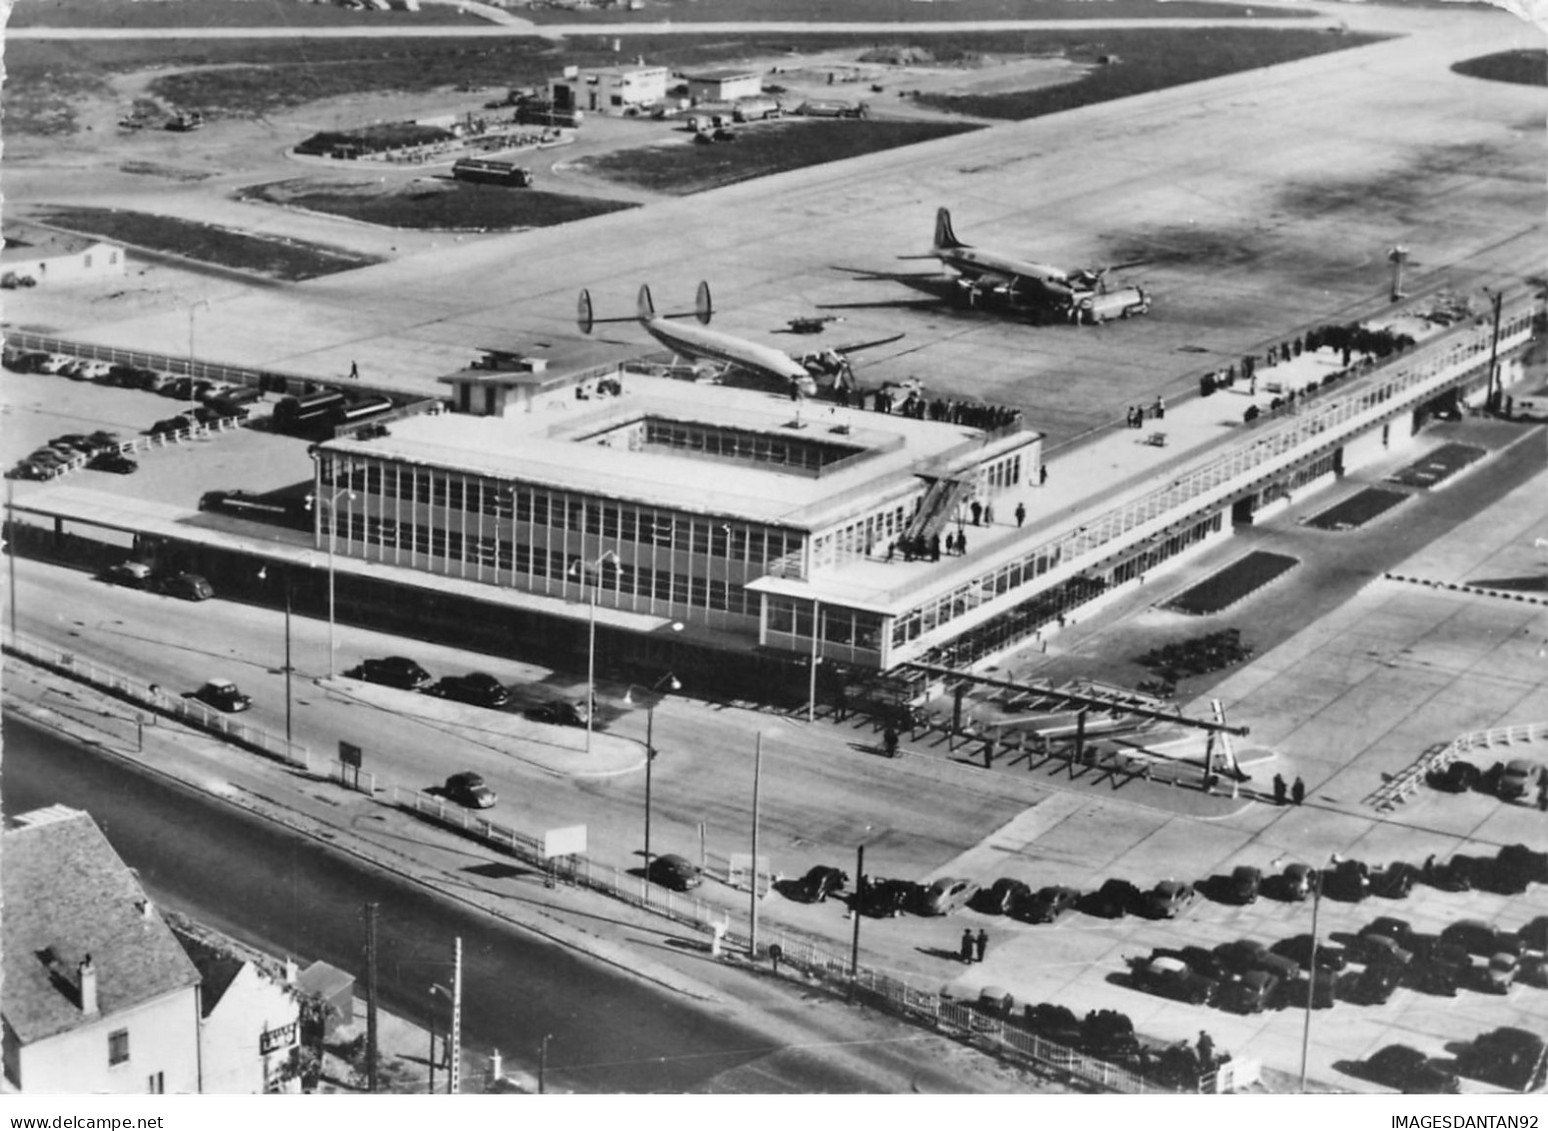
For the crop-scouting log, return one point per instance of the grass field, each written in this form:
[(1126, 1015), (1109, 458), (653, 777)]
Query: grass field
[(896, 11), (249, 78), (220, 13), (772, 148), (1437, 467), (442, 205), (1222, 589), (1147, 60), (1529, 68), (289, 260), (1355, 511)]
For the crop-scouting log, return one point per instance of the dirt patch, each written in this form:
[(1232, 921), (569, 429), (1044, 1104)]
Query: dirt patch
[(1355, 511), (1437, 467), (290, 260), (1236, 581), (680, 166), (433, 203), (1529, 68)]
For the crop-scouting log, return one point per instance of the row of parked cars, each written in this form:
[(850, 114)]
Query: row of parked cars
[(1507, 1057), (174, 583), (1517, 780), (99, 451), (480, 689)]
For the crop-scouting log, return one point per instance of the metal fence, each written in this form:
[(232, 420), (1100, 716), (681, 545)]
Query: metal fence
[(153, 698), (1406, 782), (204, 370)]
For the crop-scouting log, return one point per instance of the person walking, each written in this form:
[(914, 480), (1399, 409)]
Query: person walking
[(935, 547), (1298, 791), (1206, 1049), (1279, 789), (354, 371), (1042, 475), (988, 514), (980, 945), (1021, 513), (890, 741), (1160, 409), (967, 946), (961, 542), (978, 510)]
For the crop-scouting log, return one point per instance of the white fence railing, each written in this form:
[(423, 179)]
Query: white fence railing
[(1406, 782), (151, 697)]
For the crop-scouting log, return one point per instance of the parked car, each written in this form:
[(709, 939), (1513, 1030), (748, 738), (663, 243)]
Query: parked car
[(54, 363), (478, 688), (1379, 950), (888, 898), (1168, 899), (93, 370), (1171, 977), (1242, 955), (1520, 779), (468, 788), (1519, 859), (1441, 969), (1002, 896), (1409, 1071), (819, 882), (132, 575), (188, 586), (1455, 777), (1452, 875), (1534, 936), (170, 426), (1394, 881), (223, 695), (1053, 1022), (1297, 882), (674, 872), (1500, 973), (1398, 930), (1252, 991), (112, 461), (946, 895), (1113, 900), (1507, 1057), (1372, 986), (393, 671), (1298, 948), (1047, 905), (29, 469), (560, 712), (1348, 880), (1245, 883), (1480, 938)]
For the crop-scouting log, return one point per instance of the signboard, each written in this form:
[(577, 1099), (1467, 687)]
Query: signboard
[(275, 1040), (349, 754), (569, 841)]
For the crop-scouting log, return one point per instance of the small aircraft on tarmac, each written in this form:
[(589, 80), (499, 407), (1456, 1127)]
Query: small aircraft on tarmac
[(1080, 295), (727, 352), (809, 324)]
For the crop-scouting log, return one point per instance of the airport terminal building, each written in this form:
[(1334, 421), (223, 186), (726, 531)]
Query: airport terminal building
[(747, 519)]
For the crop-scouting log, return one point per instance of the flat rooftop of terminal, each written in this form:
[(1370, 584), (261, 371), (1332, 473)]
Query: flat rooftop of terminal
[(695, 448)]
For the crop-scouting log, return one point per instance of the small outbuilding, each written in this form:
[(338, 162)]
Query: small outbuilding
[(723, 85)]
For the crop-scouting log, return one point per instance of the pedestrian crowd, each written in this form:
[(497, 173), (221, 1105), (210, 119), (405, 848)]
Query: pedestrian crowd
[(1137, 413), (985, 416)]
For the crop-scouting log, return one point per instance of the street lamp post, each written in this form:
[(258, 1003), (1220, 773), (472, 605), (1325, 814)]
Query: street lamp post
[(444, 992), (333, 537), (204, 302), (752, 933), (543, 1063), (811, 698), (1311, 962), (580, 568), (289, 744), (672, 682)]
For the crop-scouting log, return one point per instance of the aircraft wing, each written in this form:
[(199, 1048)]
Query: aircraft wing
[(856, 347)]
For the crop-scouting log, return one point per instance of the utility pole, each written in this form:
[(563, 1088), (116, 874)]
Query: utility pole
[(854, 947), (752, 934), (1492, 401), (454, 1069), (371, 909), (10, 550)]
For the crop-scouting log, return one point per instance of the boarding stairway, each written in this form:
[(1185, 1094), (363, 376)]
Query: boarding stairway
[(936, 508)]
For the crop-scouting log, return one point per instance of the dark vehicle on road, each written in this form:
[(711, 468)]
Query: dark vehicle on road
[(1113, 900), (946, 895), (1245, 883), (1297, 948), (223, 695), (1170, 977), (674, 872), (1372, 986), (818, 883), (1297, 882), (131, 575), (1378, 950), (1480, 938), (170, 425), (1108, 1034), (1523, 861), (394, 671), (1534, 936), (29, 469), (1441, 969), (1487, 874), (478, 688), (1053, 1022), (468, 788), (1242, 955), (1507, 1057), (1456, 777), (1453, 875), (1347, 880), (1520, 779), (1002, 897), (559, 712), (1047, 905), (1398, 930), (1408, 1070), (1250, 992), (885, 899), (1168, 899), (114, 462), (1394, 881), (188, 587)]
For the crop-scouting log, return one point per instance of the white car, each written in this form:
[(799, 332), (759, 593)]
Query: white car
[(94, 370), (53, 363)]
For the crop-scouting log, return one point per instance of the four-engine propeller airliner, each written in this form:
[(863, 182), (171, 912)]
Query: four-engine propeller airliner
[(727, 351), (1077, 294)]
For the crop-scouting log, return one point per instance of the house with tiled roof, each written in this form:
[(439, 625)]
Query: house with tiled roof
[(250, 1013), (98, 996)]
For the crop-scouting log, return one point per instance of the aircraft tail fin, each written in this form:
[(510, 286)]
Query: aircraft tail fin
[(944, 236), (644, 308), (703, 308), (583, 314)]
